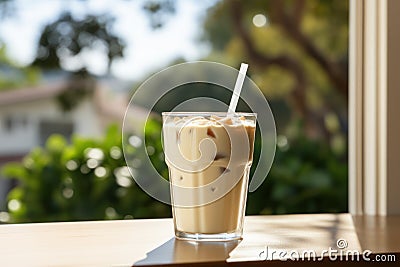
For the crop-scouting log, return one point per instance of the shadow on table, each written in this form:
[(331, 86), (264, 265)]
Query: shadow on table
[(179, 251)]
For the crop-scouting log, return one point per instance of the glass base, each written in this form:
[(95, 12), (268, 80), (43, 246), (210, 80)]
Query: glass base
[(207, 237)]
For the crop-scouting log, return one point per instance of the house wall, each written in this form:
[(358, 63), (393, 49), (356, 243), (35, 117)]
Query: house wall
[(26, 117)]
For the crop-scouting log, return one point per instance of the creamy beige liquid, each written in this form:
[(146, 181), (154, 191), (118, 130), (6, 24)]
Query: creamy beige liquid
[(224, 214)]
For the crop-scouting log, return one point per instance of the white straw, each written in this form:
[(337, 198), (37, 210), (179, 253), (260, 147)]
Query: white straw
[(237, 89)]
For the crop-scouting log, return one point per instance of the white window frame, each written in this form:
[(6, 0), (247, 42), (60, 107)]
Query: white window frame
[(374, 107)]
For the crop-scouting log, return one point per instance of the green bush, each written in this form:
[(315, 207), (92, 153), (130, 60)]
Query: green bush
[(307, 176), (88, 180)]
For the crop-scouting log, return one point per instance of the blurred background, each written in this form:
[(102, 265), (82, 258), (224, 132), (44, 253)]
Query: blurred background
[(69, 68)]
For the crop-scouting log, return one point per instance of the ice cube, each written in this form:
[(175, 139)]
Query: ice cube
[(224, 170), (219, 156), (210, 132), (227, 121)]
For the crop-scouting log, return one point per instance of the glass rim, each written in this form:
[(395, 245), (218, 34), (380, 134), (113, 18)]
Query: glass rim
[(217, 113)]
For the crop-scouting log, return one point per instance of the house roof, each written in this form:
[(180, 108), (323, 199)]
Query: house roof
[(111, 107), (11, 158), (28, 94)]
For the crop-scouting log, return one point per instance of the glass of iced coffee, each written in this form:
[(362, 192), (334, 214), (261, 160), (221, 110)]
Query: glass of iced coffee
[(209, 155)]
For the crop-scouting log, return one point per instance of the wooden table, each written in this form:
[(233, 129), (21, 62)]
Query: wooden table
[(151, 242)]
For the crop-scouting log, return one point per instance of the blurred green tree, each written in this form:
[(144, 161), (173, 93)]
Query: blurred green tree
[(159, 11), (70, 38), (298, 52)]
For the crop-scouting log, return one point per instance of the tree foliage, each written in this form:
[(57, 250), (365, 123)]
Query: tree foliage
[(159, 11), (300, 54), (69, 38), (307, 177)]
